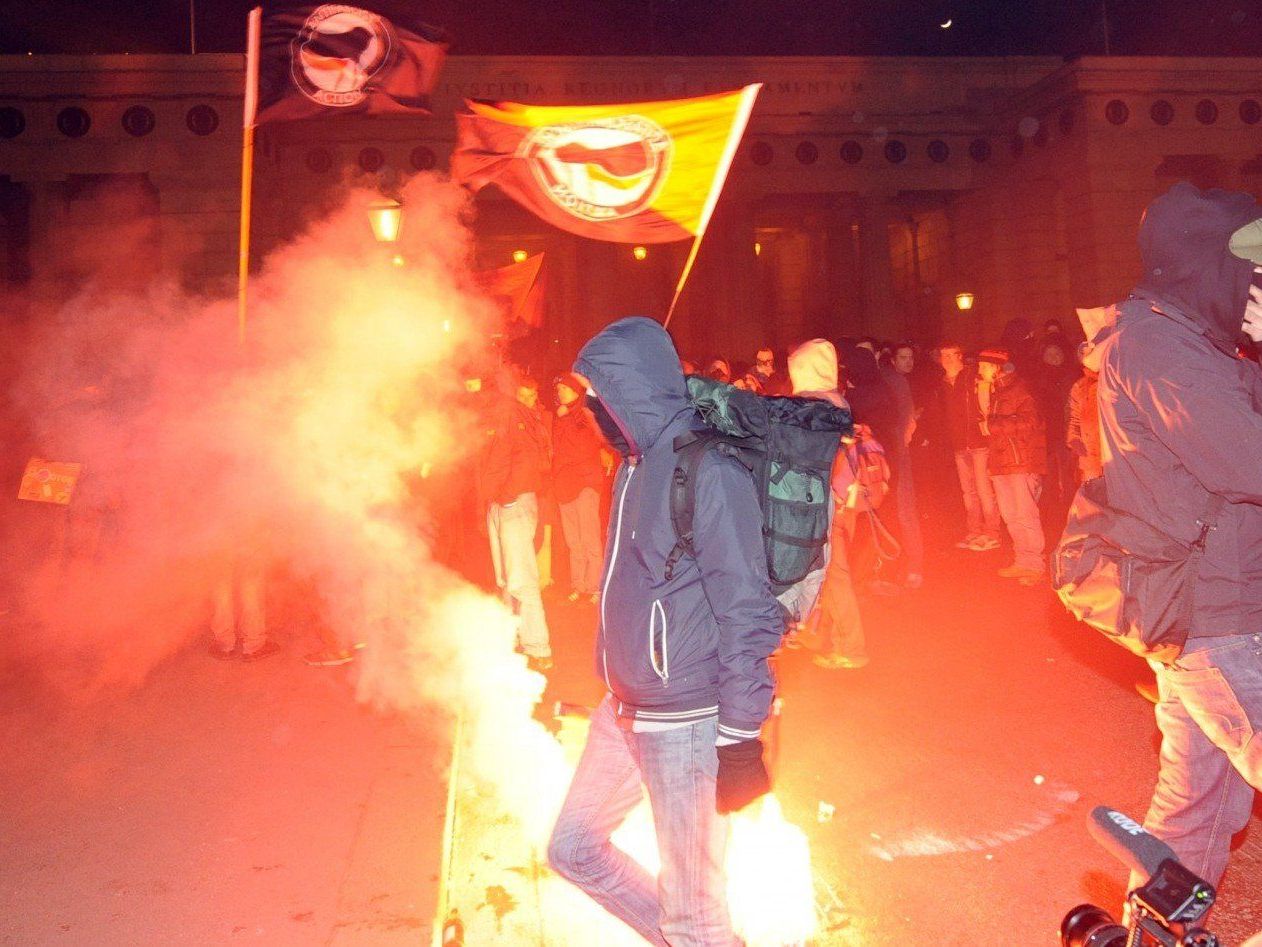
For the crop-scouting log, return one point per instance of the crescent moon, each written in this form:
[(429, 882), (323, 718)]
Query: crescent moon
[(946, 25)]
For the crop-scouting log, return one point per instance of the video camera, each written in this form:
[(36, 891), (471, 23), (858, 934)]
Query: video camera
[(1163, 911)]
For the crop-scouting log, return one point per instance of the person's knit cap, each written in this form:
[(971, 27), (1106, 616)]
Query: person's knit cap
[(996, 356)]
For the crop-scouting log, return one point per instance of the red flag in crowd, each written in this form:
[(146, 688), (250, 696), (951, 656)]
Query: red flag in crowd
[(336, 59), (647, 172), (519, 288)]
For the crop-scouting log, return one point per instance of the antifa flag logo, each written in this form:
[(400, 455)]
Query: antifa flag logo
[(604, 169), (337, 52)]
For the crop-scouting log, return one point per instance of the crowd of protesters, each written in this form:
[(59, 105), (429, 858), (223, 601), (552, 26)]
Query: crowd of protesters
[(992, 442)]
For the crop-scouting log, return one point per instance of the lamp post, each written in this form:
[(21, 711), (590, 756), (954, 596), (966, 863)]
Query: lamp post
[(964, 301), (385, 216)]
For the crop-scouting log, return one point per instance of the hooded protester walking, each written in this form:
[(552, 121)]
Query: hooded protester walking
[(684, 658), (1181, 426)]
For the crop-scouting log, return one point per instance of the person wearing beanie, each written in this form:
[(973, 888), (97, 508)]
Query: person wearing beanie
[(835, 621), (1016, 460)]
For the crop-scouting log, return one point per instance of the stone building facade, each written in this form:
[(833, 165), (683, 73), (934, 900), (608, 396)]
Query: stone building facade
[(867, 194)]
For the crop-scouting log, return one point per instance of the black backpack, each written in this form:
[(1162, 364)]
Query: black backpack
[(788, 446)]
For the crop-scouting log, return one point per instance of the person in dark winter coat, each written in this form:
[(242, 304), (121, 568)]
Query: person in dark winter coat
[(684, 658), (1181, 424), (578, 476), (1017, 459)]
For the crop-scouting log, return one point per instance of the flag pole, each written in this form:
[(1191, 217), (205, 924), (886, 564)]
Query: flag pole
[(254, 30), (748, 95)]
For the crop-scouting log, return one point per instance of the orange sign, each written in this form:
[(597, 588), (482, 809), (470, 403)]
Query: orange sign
[(47, 481)]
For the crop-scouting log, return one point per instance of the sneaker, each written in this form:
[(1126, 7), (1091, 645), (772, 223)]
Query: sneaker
[(268, 649), (572, 597), (539, 664), (1030, 579), (328, 658), (913, 581), (594, 598), (1148, 691), (969, 541), (881, 587), (984, 544), (220, 654), (1011, 572)]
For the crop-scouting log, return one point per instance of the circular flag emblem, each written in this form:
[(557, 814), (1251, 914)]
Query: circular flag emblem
[(603, 169), (337, 52)]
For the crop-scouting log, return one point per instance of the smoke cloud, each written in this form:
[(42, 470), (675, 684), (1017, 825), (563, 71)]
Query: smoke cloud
[(302, 452)]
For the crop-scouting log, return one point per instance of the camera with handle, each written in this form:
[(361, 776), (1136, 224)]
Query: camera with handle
[(1163, 911)]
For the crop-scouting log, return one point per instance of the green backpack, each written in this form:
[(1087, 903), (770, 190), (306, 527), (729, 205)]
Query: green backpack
[(788, 446)]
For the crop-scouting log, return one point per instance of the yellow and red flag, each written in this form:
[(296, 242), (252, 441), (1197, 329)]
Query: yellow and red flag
[(642, 172)]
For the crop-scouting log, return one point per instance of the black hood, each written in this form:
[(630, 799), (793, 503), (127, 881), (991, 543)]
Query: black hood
[(1183, 242), (635, 372)]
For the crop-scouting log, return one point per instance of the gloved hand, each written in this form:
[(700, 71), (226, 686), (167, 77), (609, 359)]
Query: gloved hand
[(742, 776)]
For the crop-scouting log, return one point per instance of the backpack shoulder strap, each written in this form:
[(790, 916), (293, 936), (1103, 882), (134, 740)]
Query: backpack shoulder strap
[(690, 448)]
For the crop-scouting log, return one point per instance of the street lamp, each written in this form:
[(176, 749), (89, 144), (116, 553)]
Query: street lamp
[(386, 217), (964, 302), (639, 252), (519, 256)]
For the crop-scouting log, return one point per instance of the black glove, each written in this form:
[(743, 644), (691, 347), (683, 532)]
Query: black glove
[(742, 776)]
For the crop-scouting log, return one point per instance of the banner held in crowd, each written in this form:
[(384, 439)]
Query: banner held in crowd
[(519, 290), (642, 172), (332, 58)]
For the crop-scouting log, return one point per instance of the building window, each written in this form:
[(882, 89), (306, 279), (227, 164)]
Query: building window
[(1066, 121), (1206, 112), (1250, 112), (73, 122), (202, 120), (139, 121), (806, 153), (12, 122), (423, 158), (1162, 112), (372, 159), (1117, 112), (319, 160), (938, 151), (979, 150), (852, 152), (895, 151), (760, 153)]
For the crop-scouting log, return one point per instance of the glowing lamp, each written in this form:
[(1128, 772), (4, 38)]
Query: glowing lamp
[(397, 260), (639, 252), (757, 249), (519, 256), (386, 217), (964, 302)]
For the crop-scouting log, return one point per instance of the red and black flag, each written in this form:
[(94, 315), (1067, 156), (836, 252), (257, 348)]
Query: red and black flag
[(332, 58), (644, 172)]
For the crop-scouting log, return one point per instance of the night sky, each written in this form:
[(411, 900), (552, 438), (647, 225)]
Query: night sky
[(688, 27)]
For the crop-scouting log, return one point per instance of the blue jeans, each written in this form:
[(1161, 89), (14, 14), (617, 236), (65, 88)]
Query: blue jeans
[(1018, 498), (687, 905), (1210, 715)]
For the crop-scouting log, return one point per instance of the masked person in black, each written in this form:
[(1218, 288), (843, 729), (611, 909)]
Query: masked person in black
[(684, 658)]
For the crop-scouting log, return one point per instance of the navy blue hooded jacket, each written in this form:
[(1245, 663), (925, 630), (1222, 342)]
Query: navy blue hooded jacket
[(685, 649)]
